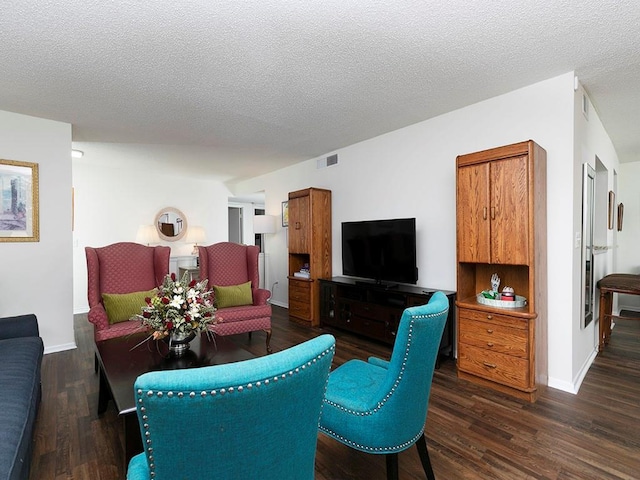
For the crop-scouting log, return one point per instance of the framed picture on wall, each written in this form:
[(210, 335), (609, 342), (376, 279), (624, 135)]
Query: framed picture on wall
[(19, 216), (620, 214), (612, 209), (285, 214)]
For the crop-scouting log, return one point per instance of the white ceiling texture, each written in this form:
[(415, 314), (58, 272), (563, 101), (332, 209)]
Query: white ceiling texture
[(241, 88)]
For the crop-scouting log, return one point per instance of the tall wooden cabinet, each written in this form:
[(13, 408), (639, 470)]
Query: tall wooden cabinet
[(309, 246), (501, 228)]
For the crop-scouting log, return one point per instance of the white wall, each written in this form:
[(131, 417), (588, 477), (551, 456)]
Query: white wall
[(110, 206), (37, 277), (411, 173), (628, 251), (591, 140)]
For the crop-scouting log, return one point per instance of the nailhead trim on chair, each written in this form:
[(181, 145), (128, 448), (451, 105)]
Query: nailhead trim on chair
[(229, 390), (381, 403)]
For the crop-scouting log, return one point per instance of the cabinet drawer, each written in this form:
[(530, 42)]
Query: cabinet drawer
[(372, 311), (494, 318), (493, 337), (300, 309), (367, 326), (299, 291), (494, 366)]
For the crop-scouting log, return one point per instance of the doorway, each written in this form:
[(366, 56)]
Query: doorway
[(235, 224)]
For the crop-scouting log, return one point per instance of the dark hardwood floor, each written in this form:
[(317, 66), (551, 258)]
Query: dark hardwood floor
[(472, 432)]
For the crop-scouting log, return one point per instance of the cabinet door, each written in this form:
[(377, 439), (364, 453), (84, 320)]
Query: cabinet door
[(509, 211), (473, 229), (299, 221)]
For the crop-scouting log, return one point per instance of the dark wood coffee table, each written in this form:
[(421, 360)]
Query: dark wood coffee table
[(121, 360)]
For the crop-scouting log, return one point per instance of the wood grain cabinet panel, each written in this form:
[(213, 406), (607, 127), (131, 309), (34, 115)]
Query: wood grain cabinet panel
[(309, 246), (501, 229)]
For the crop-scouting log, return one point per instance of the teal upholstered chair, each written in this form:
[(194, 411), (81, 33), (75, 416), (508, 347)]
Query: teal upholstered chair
[(380, 407), (251, 419)]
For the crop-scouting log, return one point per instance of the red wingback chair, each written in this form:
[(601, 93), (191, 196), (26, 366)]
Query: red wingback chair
[(124, 267), (226, 264)]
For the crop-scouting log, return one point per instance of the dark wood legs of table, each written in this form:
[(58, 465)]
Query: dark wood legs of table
[(606, 306), (132, 439), (104, 394)]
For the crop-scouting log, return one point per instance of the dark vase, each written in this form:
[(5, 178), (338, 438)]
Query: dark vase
[(179, 343)]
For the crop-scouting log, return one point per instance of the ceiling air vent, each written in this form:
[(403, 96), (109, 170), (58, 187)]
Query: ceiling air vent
[(328, 161)]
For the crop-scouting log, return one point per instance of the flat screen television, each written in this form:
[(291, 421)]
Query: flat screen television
[(380, 250)]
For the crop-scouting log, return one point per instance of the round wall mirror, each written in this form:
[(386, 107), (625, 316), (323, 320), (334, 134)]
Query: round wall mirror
[(171, 224)]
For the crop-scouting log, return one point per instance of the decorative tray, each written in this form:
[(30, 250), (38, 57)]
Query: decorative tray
[(517, 303)]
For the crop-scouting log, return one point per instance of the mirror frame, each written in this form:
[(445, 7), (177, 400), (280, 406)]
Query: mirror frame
[(180, 215)]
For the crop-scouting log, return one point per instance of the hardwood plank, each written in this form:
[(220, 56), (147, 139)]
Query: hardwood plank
[(472, 432)]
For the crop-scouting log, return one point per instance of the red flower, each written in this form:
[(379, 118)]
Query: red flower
[(146, 314), (165, 300), (169, 325), (147, 300), (192, 283), (173, 277)]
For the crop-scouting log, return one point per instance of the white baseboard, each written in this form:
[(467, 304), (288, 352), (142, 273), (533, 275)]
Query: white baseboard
[(574, 386), (60, 348)]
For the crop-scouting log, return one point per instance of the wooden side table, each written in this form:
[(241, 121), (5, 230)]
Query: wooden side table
[(614, 283)]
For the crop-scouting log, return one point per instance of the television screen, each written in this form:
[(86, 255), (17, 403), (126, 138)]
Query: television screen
[(381, 250)]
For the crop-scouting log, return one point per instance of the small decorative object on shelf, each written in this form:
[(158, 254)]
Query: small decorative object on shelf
[(508, 294), (506, 299), (179, 310), (495, 282)]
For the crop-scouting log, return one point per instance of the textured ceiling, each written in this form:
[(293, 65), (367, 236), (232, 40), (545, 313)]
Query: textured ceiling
[(252, 86)]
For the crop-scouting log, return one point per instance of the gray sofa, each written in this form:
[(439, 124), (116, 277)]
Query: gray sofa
[(21, 351)]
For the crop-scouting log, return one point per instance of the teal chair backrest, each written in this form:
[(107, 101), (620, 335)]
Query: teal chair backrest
[(381, 406), (252, 419)]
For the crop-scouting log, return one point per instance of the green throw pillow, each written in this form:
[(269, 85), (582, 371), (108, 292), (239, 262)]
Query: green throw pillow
[(233, 295), (120, 307)]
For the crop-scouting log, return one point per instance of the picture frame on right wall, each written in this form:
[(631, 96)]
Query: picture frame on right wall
[(612, 209), (620, 214)]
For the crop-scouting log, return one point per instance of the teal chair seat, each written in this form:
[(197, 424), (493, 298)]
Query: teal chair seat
[(379, 406), (252, 419)]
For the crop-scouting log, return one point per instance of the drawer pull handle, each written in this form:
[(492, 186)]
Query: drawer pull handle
[(490, 365), (489, 317), (489, 330), (489, 344)]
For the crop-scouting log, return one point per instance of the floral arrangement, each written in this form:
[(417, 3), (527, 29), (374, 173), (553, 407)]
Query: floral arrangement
[(180, 308)]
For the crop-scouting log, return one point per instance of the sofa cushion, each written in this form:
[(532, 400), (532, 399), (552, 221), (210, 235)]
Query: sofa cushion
[(20, 360), (120, 307), (233, 295)]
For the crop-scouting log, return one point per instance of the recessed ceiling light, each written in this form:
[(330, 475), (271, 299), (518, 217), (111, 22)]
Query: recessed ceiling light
[(77, 153)]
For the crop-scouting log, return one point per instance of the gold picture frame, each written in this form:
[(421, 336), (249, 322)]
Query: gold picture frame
[(19, 214)]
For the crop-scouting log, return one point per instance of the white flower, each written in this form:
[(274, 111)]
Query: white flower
[(176, 302)]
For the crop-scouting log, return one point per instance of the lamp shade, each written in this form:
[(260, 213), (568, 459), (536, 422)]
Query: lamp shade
[(195, 235), (147, 234), (264, 224)]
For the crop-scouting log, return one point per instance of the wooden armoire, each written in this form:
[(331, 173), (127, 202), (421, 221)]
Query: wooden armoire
[(501, 229), (309, 249)]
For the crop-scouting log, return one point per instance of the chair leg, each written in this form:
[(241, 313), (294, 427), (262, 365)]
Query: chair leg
[(268, 332), (95, 362), (250, 335), (421, 445), (392, 466)]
